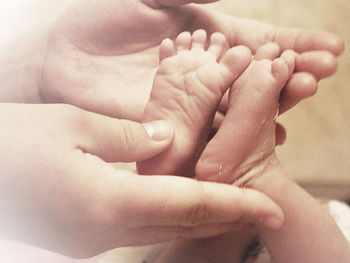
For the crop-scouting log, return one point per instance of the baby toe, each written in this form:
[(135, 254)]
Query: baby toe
[(183, 41), (218, 44), (167, 49), (236, 60), (199, 38)]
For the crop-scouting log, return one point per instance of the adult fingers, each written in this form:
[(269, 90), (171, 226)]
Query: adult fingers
[(301, 85), (302, 40), (183, 202), (281, 134), (116, 140), (321, 64), (154, 234), (309, 67), (123, 208)]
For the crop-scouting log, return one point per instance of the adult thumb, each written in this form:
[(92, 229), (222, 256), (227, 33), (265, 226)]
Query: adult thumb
[(115, 140)]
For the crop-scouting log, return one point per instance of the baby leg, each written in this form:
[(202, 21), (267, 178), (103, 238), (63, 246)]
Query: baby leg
[(246, 139)]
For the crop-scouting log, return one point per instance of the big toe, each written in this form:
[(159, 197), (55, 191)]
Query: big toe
[(236, 60), (267, 51), (280, 71)]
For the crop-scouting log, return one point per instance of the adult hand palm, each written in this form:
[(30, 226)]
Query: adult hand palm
[(102, 55)]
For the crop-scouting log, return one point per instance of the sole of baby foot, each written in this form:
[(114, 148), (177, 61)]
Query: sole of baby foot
[(187, 89), (246, 138)]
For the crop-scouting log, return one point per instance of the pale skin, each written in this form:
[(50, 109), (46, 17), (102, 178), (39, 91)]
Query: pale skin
[(256, 166), (187, 91), (252, 129), (253, 107), (242, 152), (97, 57), (72, 63), (56, 182)]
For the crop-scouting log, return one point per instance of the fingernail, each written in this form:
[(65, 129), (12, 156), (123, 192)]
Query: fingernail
[(272, 222), (159, 130)]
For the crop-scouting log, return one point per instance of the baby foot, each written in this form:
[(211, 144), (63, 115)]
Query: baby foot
[(245, 142), (187, 89)]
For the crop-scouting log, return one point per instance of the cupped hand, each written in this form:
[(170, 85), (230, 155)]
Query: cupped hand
[(59, 192), (102, 55)]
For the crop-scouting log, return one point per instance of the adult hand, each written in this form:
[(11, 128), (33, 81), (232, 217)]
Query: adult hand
[(59, 192), (102, 55)]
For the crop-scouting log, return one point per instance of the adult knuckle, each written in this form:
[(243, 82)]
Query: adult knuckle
[(245, 211), (183, 233), (198, 212), (129, 138)]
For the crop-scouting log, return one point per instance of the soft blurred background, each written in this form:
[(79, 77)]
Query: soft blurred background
[(317, 150)]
